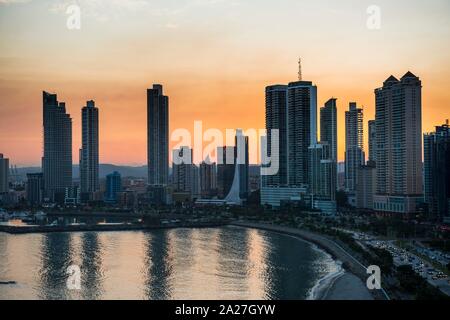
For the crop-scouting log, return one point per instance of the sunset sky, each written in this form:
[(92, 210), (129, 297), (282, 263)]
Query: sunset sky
[(214, 58)]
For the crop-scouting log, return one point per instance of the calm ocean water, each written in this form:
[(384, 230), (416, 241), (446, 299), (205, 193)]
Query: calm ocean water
[(220, 263)]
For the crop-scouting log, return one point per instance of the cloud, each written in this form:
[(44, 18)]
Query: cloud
[(104, 10), (13, 1)]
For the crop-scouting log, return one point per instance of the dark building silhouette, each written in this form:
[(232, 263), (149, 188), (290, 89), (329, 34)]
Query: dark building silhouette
[(329, 134), (208, 179), (57, 160), (292, 110), (113, 187), (372, 141), (328, 126), (225, 170), (242, 162), (437, 171), (354, 145), (276, 119), (302, 130), (4, 174), (35, 188), (185, 172), (89, 153), (158, 136)]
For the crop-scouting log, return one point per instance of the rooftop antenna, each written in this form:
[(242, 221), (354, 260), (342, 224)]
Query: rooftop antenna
[(300, 76)]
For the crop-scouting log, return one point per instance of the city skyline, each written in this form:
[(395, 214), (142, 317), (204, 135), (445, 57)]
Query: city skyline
[(224, 151), (117, 80)]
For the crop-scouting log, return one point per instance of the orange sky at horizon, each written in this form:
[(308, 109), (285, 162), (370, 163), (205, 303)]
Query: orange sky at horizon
[(212, 72)]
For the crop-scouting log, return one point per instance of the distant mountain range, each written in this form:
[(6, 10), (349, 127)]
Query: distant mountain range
[(105, 169)]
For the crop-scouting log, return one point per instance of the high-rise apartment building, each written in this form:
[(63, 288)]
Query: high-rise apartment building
[(328, 131), (301, 130), (158, 136), (276, 119), (328, 126), (399, 144), (292, 110), (57, 159), (354, 145), (89, 153), (437, 171)]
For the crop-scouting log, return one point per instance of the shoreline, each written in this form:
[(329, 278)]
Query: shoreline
[(17, 230), (324, 284), (351, 280), (330, 287)]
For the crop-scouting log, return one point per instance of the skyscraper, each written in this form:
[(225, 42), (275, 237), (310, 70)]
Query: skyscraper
[(328, 131), (328, 126), (89, 154), (57, 160), (292, 110), (157, 136), (276, 119), (354, 145), (437, 171), (4, 174), (372, 141), (302, 129), (399, 144)]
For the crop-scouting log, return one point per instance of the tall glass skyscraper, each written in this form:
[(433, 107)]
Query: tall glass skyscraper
[(157, 136), (276, 119), (57, 160), (302, 129), (89, 153)]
